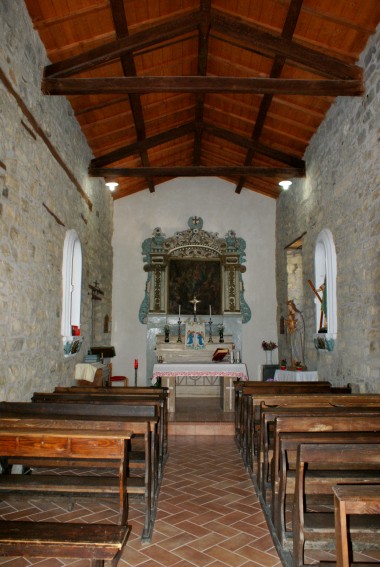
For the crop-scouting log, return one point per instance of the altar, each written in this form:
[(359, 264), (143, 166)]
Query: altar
[(223, 374)]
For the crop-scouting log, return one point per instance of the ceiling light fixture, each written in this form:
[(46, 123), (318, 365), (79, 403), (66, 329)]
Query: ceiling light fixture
[(111, 185), (285, 184)]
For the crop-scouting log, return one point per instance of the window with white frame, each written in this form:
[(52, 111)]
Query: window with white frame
[(325, 283), (72, 285)]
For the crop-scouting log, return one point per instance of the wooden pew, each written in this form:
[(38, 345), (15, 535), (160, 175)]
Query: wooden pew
[(250, 387), (317, 528), (96, 542), (155, 399), (351, 499), (266, 388), (283, 483), (73, 441), (330, 399), (97, 417), (299, 417)]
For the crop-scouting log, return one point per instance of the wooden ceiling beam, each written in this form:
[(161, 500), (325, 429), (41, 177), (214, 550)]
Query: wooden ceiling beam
[(261, 39), (254, 144), (129, 69), (277, 67), (196, 171), (257, 85), (204, 31), (140, 145), (112, 51)]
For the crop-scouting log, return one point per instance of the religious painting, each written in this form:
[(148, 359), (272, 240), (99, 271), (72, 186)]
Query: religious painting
[(189, 279), (195, 335)]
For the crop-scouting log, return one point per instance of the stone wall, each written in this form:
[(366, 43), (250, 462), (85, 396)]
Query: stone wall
[(341, 193), (44, 191)]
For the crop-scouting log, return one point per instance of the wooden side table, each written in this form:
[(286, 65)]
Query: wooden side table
[(352, 499)]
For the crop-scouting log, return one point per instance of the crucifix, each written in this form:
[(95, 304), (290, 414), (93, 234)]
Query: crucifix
[(194, 301)]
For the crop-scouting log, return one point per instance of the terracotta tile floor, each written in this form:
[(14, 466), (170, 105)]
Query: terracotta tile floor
[(208, 512)]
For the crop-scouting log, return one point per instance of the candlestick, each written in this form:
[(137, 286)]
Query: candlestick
[(179, 339), (210, 330), (136, 365)]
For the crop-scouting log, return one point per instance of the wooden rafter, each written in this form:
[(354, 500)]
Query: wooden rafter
[(196, 171), (277, 67), (141, 85), (129, 69)]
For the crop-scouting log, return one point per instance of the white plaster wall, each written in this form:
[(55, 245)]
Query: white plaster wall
[(252, 216)]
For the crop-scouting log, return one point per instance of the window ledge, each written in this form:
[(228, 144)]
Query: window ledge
[(325, 341), (72, 345)]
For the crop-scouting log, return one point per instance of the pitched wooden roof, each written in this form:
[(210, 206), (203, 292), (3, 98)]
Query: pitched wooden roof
[(229, 88)]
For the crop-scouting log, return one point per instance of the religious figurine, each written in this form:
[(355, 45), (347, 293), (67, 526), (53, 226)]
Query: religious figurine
[(194, 301), (296, 328)]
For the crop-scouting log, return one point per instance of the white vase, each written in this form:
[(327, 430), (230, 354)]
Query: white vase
[(268, 354)]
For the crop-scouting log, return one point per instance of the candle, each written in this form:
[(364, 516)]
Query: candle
[(136, 364), (210, 310), (179, 311)]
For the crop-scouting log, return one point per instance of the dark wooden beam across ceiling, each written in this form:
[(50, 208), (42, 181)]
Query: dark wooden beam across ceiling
[(196, 171), (109, 85)]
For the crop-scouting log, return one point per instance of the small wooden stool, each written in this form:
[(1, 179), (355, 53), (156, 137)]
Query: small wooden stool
[(352, 499)]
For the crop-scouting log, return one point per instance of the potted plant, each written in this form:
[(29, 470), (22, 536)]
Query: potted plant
[(298, 365), (221, 333), (283, 364), (166, 331)]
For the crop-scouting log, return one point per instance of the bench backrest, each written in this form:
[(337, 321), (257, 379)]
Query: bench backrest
[(127, 409)]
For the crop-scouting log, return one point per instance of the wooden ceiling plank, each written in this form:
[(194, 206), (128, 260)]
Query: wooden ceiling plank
[(259, 85), (283, 47), (111, 51), (196, 171), (136, 147)]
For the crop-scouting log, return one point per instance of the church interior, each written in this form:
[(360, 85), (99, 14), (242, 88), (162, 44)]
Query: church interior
[(189, 209)]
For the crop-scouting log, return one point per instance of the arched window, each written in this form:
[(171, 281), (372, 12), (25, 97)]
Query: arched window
[(325, 283), (72, 287)]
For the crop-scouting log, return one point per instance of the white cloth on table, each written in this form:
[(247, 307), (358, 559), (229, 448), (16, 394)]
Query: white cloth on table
[(296, 376), (85, 371)]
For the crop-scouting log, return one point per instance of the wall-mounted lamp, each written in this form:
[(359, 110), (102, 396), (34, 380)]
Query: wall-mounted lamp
[(285, 184), (111, 185)]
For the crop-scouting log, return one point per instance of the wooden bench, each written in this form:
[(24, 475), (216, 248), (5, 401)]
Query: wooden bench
[(270, 401), (317, 528), (97, 542), (99, 418), (120, 397), (244, 402), (351, 499), (68, 441), (283, 483), (295, 400), (299, 417)]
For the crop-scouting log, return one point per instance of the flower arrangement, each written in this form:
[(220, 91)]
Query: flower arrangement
[(283, 364), (268, 345), (298, 365)]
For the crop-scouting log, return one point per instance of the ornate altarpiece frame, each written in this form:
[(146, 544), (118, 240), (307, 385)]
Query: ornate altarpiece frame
[(197, 244)]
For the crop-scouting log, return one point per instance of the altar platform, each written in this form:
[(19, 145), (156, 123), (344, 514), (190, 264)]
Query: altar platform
[(200, 416)]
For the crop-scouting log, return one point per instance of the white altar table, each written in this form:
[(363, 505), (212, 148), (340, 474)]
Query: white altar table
[(296, 376), (171, 374)]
